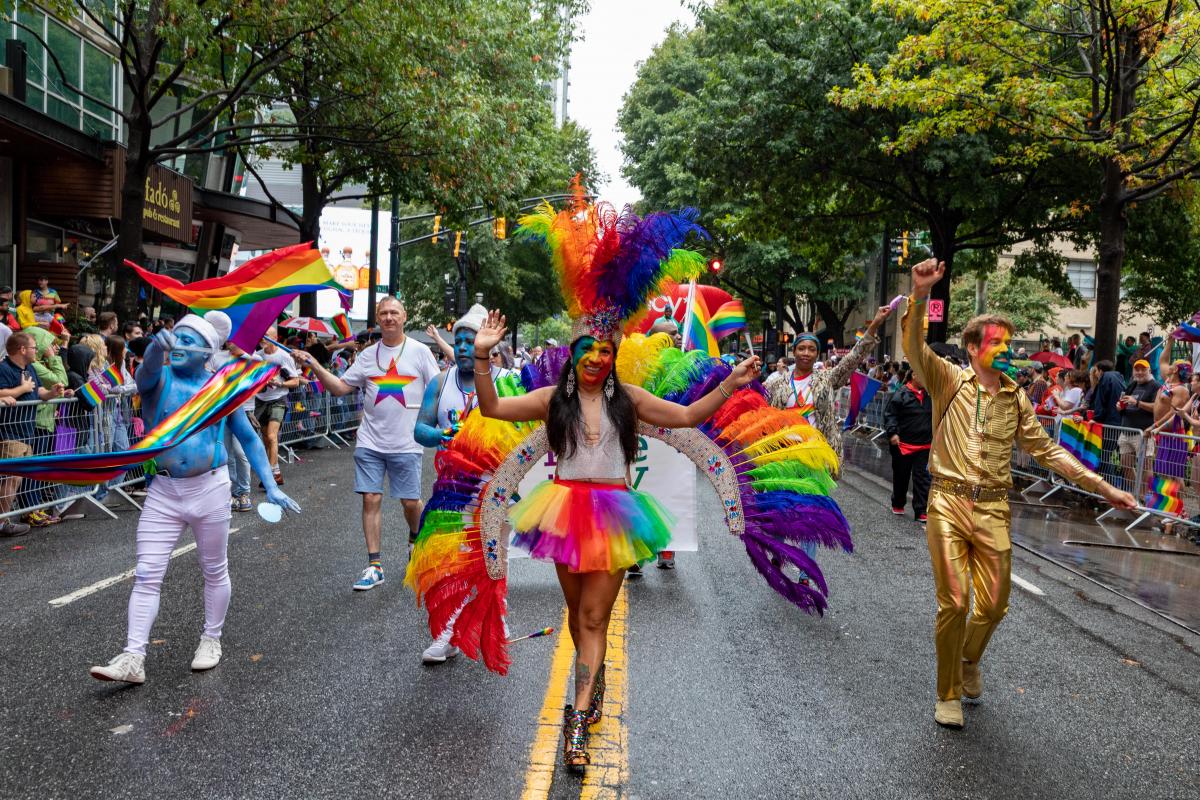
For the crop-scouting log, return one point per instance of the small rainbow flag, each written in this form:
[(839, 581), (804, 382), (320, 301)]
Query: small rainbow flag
[(1082, 439), (92, 392), (254, 294), (700, 335), (1162, 494), (341, 325), (729, 318), (859, 334), (806, 410), (113, 375), (313, 379), (391, 384)]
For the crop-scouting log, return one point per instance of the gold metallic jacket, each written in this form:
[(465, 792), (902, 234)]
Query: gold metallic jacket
[(974, 432)]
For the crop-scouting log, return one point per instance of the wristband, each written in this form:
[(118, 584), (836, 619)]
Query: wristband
[(488, 373), (724, 391), (482, 358)]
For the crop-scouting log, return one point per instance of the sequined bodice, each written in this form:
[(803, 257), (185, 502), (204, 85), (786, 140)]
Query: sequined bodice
[(603, 460)]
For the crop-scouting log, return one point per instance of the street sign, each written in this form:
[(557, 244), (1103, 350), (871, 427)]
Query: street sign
[(937, 310)]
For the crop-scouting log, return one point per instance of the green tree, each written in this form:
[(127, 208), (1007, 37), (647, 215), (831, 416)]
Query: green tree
[(748, 117), (1025, 301), (1162, 257), (1110, 84)]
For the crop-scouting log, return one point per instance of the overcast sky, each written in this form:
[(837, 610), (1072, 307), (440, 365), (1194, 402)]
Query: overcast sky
[(617, 34)]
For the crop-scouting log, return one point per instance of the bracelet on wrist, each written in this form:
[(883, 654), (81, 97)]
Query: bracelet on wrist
[(482, 358), (477, 372), (728, 394)]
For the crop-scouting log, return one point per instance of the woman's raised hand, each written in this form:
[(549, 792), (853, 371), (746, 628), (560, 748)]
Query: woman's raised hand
[(746, 371), (491, 333)]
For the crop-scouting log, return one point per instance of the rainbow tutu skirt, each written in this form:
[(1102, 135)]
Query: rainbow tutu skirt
[(590, 527)]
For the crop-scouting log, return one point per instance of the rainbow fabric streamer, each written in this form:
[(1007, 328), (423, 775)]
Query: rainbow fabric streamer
[(862, 389), (729, 318), (341, 325), (113, 375), (1083, 439), (1162, 494), (254, 294), (700, 336), (220, 396)]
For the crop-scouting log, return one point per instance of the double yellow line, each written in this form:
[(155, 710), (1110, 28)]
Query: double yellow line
[(609, 741)]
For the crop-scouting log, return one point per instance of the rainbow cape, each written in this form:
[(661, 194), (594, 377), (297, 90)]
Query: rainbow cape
[(220, 396), (729, 318), (254, 294), (783, 468), (1082, 439)]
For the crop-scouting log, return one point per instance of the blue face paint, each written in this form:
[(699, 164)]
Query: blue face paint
[(464, 348), (190, 351), (581, 348)]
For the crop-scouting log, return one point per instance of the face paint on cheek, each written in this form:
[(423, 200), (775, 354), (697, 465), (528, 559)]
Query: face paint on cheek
[(999, 355), (593, 362)]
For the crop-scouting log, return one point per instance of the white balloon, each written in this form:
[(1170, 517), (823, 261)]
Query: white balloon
[(270, 512)]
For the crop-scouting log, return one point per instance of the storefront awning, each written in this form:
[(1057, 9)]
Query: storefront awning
[(263, 226)]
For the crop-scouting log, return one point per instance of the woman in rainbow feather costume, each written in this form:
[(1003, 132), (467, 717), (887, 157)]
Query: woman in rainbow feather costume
[(771, 468)]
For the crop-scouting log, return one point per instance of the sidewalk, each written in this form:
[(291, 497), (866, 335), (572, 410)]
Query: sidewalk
[(1159, 572)]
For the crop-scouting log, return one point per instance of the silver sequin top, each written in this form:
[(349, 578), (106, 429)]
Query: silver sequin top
[(601, 461)]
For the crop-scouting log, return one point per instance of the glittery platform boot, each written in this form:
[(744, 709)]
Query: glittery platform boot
[(575, 736), (596, 707)]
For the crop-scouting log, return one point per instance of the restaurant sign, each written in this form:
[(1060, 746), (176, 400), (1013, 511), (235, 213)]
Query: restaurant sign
[(168, 204)]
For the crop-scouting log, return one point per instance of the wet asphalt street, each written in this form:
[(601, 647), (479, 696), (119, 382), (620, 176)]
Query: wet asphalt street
[(731, 692)]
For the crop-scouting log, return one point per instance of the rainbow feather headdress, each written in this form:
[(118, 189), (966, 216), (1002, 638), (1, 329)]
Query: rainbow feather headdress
[(610, 263)]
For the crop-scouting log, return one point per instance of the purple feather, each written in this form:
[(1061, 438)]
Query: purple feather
[(798, 517), (635, 268), (764, 552)]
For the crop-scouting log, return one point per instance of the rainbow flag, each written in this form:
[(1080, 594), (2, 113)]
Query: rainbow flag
[(729, 318), (92, 392), (341, 326), (862, 389), (1082, 439), (311, 376), (254, 294), (700, 335), (859, 334), (220, 396), (113, 375), (1162, 494)]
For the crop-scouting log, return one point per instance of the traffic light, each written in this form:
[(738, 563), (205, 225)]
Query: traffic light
[(499, 228), (715, 265), (457, 242), (903, 249), (437, 226)]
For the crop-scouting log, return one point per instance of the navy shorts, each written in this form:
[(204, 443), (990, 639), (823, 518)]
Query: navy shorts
[(403, 473)]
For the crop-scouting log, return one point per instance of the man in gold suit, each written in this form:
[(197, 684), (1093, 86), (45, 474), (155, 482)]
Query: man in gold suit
[(978, 413)]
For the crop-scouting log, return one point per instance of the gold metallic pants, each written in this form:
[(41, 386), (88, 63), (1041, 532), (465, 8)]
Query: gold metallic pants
[(967, 536)]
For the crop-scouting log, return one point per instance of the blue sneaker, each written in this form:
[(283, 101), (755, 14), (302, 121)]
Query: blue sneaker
[(371, 577)]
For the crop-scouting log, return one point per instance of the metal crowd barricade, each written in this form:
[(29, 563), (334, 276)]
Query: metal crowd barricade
[(34, 427), (1171, 458), (1024, 464), (119, 426), (307, 419), (345, 415)]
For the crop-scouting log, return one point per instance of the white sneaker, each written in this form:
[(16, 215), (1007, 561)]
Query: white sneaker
[(438, 652), (127, 668), (208, 654)]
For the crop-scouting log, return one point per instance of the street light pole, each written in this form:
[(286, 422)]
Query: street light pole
[(373, 269)]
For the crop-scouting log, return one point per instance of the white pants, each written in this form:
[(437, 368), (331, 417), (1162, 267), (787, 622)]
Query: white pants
[(201, 502)]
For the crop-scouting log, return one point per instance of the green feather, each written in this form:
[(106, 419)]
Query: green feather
[(679, 371), (785, 471)]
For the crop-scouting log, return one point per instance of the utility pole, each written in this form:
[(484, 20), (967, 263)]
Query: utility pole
[(373, 269), (885, 263), (394, 250)]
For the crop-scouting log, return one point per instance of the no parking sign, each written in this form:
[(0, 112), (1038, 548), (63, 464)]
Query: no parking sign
[(937, 310)]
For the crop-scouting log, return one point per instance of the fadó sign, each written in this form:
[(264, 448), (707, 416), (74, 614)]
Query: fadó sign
[(168, 204)]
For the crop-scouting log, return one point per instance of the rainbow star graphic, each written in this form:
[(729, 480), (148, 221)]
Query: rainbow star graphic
[(391, 384)]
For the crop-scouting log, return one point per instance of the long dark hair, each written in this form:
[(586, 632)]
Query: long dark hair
[(565, 418)]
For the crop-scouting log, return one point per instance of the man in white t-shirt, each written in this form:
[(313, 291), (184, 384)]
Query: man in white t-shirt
[(270, 406), (392, 374)]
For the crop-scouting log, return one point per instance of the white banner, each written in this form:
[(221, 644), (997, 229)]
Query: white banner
[(659, 470)]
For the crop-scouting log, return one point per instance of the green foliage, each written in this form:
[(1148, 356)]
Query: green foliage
[(1162, 257), (557, 328), (1028, 303)]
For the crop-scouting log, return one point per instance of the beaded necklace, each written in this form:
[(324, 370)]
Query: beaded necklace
[(399, 355)]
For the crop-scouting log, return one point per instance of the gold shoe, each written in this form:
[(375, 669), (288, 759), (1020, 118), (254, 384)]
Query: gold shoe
[(972, 685), (948, 713)]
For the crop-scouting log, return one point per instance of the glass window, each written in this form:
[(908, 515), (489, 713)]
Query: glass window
[(97, 80), (65, 46), (63, 112), (1082, 275), (42, 242), (35, 54)]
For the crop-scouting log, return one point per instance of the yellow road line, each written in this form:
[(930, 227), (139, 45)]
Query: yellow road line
[(609, 741), (608, 745), (543, 755)]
